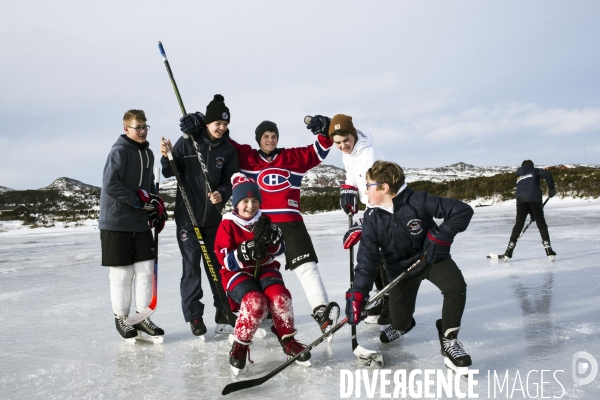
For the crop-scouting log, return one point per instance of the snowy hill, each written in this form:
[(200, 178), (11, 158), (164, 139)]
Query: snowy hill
[(67, 185), (5, 189)]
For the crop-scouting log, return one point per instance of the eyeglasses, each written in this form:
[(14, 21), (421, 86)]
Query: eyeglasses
[(140, 128), (372, 184)]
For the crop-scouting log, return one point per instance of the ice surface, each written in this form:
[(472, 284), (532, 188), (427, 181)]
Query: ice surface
[(58, 337)]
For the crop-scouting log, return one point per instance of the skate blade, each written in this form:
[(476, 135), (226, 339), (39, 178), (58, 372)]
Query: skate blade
[(223, 329), (369, 358), (304, 363), (459, 370), (334, 314), (142, 337), (551, 258), (130, 340), (372, 320), (236, 371)]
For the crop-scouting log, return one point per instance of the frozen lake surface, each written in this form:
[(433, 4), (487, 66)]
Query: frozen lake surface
[(522, 318)]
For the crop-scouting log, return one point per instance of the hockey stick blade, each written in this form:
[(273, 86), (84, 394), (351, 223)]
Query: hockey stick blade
[(496, 256), (139, 316), (368, 358)]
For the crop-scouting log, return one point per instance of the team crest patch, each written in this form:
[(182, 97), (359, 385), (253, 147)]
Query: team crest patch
[(414, 226), (219, 162), (183, 235), (225, 116)]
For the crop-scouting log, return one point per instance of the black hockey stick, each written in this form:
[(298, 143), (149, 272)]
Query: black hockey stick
[(208, 267), (501, 256), (142, 315), (367, 358), (240, 385), (218, 206)]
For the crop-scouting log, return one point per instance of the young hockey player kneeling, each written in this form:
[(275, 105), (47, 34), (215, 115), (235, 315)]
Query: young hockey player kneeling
[(245, 238), (400, 225)]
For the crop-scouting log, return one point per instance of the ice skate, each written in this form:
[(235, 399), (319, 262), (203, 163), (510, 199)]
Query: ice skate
[(389, 334), (373, 313), (127, 332), (222, 323), (240, 351), (198, 327), (549, 252), (509, 251), (326, 317), (148, 331), (455, 356), (291, 347)]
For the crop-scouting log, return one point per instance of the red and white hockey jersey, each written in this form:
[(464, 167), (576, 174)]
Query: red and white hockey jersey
[(280, 177)]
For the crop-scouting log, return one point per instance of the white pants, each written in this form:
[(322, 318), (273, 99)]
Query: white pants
[(121, 283), (311, 281)]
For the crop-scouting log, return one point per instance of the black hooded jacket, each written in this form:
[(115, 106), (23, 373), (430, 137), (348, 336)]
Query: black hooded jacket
[(528, 184)]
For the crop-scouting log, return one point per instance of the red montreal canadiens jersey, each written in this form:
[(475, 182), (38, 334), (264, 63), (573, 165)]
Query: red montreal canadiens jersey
[(280, 178)]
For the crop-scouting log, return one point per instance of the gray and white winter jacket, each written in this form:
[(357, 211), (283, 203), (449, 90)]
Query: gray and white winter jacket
[(357, 163), (128, 168)]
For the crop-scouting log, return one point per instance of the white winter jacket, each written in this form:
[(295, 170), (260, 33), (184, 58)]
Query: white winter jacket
[(359, 161)]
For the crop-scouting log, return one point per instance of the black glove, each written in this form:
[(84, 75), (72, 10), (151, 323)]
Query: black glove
[(551, 192), (156, 220), (251, 250), (267, 232), (355, 301), (192, 124), (318, 124), (436, 247), (150, 202), (349, 199), (353, 235)]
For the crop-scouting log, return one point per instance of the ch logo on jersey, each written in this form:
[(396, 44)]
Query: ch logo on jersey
[(414, 226), (274, 179)]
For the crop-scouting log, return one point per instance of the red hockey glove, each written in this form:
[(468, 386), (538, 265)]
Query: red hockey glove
[(353, 235), (355, 301), (150, 202)]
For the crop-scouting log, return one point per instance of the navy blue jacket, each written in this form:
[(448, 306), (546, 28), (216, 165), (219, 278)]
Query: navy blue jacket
[(528, 184), (221, 161), (401, 235)]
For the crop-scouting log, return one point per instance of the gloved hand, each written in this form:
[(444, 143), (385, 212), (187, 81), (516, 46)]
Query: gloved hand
[(156, 220), (349, 199), (355, 301), (353, 235), (551, 192), (192, 124), (251, 250), (436, 247), (267, 232), (150, 202), (318, 125)]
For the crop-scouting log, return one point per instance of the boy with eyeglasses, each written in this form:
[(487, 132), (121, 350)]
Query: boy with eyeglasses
[(400, 225), (129, 208)]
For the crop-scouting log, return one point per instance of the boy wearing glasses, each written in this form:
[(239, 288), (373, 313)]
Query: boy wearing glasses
[(400, 225), (129, 207)]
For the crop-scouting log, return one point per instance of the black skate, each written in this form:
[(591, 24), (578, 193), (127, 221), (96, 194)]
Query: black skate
[(326, 317), (238, 354), (126, 331), (390, 334), (155, 334), (509, 250), (291, 347), (198, 327), (455, 356), (222, 322), (549, 252)]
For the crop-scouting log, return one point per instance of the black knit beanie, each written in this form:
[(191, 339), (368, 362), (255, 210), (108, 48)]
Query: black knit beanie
[(216, 110), (263, 127)]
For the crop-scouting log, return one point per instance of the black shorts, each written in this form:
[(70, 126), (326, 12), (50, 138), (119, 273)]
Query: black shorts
[(298, 245), (125, 248)]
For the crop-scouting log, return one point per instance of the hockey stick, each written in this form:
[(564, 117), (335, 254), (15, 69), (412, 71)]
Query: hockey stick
[(240, 385), (501, 256), (367, 358), (218, 206), (148, 311)]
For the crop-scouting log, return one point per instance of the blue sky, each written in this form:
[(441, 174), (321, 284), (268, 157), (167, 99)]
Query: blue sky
[(435, 82)]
